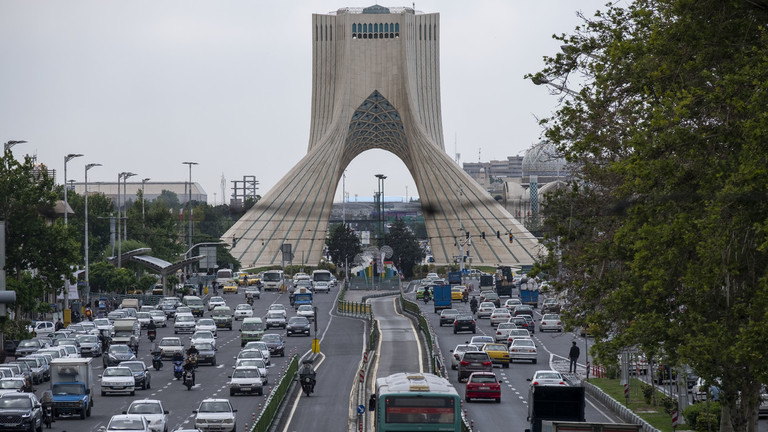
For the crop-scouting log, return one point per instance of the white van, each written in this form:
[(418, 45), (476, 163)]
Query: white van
[(273, 280)]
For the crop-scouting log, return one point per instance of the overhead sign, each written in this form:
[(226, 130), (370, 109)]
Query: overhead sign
[(209, 254)]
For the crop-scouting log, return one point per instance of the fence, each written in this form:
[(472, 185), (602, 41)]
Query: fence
[(266, 414)]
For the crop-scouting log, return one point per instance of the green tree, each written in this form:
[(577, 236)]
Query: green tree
[(405, 246), (100, 209), (343, 244), (661, 239)]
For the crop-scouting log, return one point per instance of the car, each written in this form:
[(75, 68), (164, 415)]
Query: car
[(37, 368), (762, 410), (90, 345), (29, 346), (14, 385), (464, 322), (143, 318), (499, 315), (206, 324), (479, 341), (483, 385), (21, 411), (246, 379), (275, 344), (458, 353), (510, 304), (250, 354), (259, 345), (517, 334), (485, 310), (550, 322), (128, 423), (307, 311), (550, 305), (103, 324), (278, 308), (523, 349), (498, 353), (169, 346), (474, 361), (253, 292), (229, 288), (206, 353), (259, 363), (153, 411), (492, 297), (216, 301), (63, 342), (502, 331), (182, 310), (46, 359), (116, 314), (168, 308), (141, 374), (457, 293), (448, 316), (117, 354), (159, 318), (321, 286), (297, 325), (275, 319), (523, 310), (529, 320), (183, 323), (420, 292), (203, 337), (215, 414), (41, 328), (223, 317), (117, 379), (522, 323), (547, 378)]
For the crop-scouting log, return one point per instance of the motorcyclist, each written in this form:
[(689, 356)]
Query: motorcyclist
[(151, 329), (105, 340), (189, 368), (473, 304), (178, 357), (47, 403), (192, 354), (308, 370)]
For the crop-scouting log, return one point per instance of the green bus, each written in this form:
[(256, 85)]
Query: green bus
[(415, 402)]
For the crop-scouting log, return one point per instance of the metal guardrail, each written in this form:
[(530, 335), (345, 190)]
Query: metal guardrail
[(354, 309), (266, 415)]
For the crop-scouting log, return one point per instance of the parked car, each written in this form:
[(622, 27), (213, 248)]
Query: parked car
[(483, 385)]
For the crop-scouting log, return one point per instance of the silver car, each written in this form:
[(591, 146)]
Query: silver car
[(523, 349), (153, 411)]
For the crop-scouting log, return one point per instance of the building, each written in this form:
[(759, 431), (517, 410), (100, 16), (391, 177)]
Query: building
[(152, 190)]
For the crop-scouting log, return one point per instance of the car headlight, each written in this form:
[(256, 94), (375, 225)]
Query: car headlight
[(229, 420), (26, 415)]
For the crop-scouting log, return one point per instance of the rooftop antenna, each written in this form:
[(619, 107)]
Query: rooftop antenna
[(479, 150), (457, 158)]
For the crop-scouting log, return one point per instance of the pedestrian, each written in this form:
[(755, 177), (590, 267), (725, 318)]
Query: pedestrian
[(573, 355), (59, 325)]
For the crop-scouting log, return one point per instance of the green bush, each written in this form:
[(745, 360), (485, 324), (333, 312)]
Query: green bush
[(669, 404), (612, 371), (647, 390), (696, 416)]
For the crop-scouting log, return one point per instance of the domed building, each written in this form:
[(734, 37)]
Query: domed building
[(543, 161)]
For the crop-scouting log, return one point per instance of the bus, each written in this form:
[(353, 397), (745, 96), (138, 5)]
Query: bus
[(273, 280), (415, 401)]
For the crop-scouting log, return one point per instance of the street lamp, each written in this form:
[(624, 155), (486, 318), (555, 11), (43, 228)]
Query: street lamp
[(119, 213), (380, 210), (67, 158), (189, 205), (541, 79), (125, 202), (143, 181), (87, 285), (7, 146)]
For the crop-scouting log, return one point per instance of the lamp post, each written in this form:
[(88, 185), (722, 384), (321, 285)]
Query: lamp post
[(67, 158), (7, 146), (119, 225), (143, 181), (189, 206), (380, 210), (125, 203), (87, 284)]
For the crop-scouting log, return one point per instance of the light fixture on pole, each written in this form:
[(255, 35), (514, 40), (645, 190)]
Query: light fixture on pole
[(125, 203), (189, 205), (7, 146), (119, 225), (87, 279), (67, 158), (143, 181), (380, 210)]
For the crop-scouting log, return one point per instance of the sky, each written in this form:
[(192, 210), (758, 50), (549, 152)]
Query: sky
[(144, 85)]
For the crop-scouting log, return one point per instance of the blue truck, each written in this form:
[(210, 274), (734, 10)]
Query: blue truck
[(529, 291), (454, 278), (72, 385), (441, 295), (302, 296)]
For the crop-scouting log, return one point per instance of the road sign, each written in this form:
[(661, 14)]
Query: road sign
[(361, 409)]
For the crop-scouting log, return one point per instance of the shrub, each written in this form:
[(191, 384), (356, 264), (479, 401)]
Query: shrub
[(669, 404), (612, 371), (696, 416), (647, 390)]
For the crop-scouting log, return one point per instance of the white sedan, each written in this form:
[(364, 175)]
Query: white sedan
[(547, 378), (551, 322), (261, 346), (203, 337), (502, 331), (153, 411), (277, 307), (159, 318), (216, 301), (243, 310), (307, 311), (523, 349), (206, 324), (500, 315), (485, 310)]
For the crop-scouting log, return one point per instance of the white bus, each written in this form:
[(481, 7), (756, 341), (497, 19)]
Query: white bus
[(321, 281)]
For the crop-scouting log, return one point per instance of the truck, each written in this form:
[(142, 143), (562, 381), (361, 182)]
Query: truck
[(72, 386), (441, 295), (130, 303), (555, 403), (273, 280), (529, 291), (127, 332), (454, 278), (558, 426), (302, 296)]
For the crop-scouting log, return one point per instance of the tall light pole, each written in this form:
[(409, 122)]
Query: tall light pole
[(119, 225), (125, 202), (380, 210), (344, 198), (87, 279), (143, 181), (189, 206), (7, 145), (67, 158)]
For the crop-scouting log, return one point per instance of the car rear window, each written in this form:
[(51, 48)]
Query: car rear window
[(476, 356)]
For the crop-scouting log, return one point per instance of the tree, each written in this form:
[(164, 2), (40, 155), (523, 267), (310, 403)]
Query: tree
[(343, 244), (405, 246), (661, 239)]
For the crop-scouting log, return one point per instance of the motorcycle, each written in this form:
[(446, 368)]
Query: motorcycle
[(151, 334), (307, 383), (157, 360), (249, 300), (189, 380), (178, 369), (426, 298), (193, 359), (48, 415)]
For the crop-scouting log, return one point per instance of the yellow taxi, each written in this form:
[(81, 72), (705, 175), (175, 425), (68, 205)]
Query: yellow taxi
[(498, 353), (229, 288), (457, 293)]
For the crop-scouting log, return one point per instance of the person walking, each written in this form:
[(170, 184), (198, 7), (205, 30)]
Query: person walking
[(573, 356)]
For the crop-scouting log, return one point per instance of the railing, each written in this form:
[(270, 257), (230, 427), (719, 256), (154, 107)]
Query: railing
[(266, 414)]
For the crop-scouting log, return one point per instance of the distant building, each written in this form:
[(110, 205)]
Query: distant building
[(152, 190)]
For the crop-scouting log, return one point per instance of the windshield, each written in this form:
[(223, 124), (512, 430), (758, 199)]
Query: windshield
[(271, 338), (250, 354), (170, 342), (87, 339), (126, 424), (11, 384), (275, 315), (134, 366), (15, 402), (246, 373), (119, 349), (194, 302), (101, 322), (217, 299), (243, 307), (252, 326), (29, 343), (223, 312), (145, 408), (211, 406), (144, 315), (203, 346), (185, 318), (272, 277), (121, 371), (321, 276), (202, 335)]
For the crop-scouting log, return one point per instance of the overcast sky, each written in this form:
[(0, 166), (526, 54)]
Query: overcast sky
[(143, 86)]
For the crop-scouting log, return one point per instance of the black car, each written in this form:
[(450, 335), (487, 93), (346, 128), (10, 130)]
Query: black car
[(275, 344), (522, 323), (20, 411), (141, 375), (474, 361), (206, 354), (464, 323), (117, 354), (297, 325)]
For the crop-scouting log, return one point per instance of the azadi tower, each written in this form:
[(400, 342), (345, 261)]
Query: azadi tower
[(376, 85)]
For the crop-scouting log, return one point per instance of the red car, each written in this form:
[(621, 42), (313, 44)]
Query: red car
[(483, 385)]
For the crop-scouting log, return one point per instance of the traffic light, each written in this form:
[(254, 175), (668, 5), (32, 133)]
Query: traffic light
[(467, 235), (511, 238)]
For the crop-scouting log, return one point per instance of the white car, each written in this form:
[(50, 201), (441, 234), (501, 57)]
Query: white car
[(215, 414), (551, 322), (116, 379), (307, 311), (206, 324), (41, 328), (250, 354), (547, 378), (500, 315), (170, 346), (104, 324), (275, 319), (485, 309), (13, 385), (502, 331), (512, 303), (321, 286), (243, 310), (259, 363), (458, 353), (152, 410), (203, 337), (143, 318), (159, 318), (128, 423), (246, 379), (184, 323), (263, 347), (277, 307), (523, 349), (216, 301), (518, 334)]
